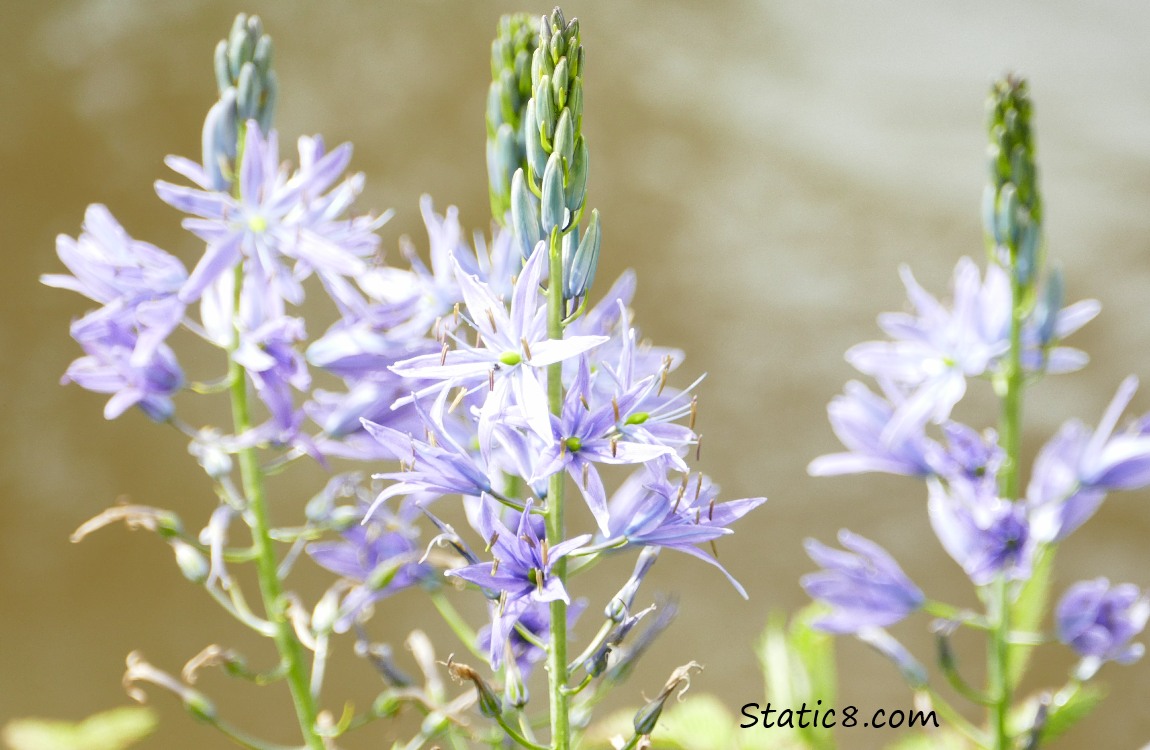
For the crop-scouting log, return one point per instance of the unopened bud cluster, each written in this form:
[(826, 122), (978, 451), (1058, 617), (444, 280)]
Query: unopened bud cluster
[(247, 87), (1012, 205), (507, 98), (548, 197)]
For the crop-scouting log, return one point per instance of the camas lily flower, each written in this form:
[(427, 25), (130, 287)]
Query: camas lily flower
[(984, 533), (277, 217), (1078, 466), (936, 348), (860, 419), (1098, 621), (520, 570), (649, 509), (112, 365), (584, 437), (514, 347), (865, 586)]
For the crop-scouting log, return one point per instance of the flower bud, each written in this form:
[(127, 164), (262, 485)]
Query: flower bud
[(565, 137), (577, 176), (191, 562), (552, 206), (545, 112), (581, 273), (524, 215), (536, 156)]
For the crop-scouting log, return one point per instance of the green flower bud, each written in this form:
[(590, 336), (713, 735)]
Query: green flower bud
[(565, 137), (580, 275), (248, 92), (545, 112), (536, 156), (552, 211), (223, 74), (524, 215), (559, 81), (263, 55), (577, 177)]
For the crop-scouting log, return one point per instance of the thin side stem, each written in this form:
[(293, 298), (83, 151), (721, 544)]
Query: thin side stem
[(556, 530)]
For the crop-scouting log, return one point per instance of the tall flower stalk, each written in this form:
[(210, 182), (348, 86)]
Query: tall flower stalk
[(484, 374), (1004, 325)]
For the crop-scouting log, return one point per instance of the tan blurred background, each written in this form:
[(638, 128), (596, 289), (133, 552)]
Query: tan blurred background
[(764, 166)]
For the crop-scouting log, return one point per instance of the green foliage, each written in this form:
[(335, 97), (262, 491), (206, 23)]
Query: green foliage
[(798, 667), (109, 730)]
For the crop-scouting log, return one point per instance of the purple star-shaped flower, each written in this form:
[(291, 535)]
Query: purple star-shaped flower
[(520, 570), (514, 347)]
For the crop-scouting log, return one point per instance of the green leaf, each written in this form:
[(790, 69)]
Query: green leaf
[(1071, 706), (1027, 613), (798, 667), (110, 730), (943, 740)]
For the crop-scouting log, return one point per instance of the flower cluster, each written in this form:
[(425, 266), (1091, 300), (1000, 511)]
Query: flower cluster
[(1005, 325), (483, 374)]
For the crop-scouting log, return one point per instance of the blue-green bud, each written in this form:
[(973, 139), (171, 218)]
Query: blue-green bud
[(263, 55), (223, 74), (577, 177), (524, 215), (1006, 219), (575, 103), (554, 200), (545, 113), (565, 138), (220, 136), (271, 94), (248, 92), (536, 156), (559, 82), (581, 273), (503, 156), (1026, 265), (241, 47)]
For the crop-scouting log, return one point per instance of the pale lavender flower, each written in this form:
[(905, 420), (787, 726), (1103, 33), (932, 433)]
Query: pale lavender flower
[(936, 348), (985, 534), (1098, 620), (861, 420), (380, 558), (520, 570), (439, 466), (583, 437), (111, 366), (967, 454), (278, 217), (865, 586), (135, 281), (536, 620), (1077, 467), (269, 355), (515, 345), (649, 509), (109, 266)]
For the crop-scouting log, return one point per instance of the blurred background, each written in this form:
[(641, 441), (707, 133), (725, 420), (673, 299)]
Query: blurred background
[(764, 166)]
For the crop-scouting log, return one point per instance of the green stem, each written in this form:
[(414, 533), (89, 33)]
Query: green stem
[(556, 531), (289, 647), (1010, 426)]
